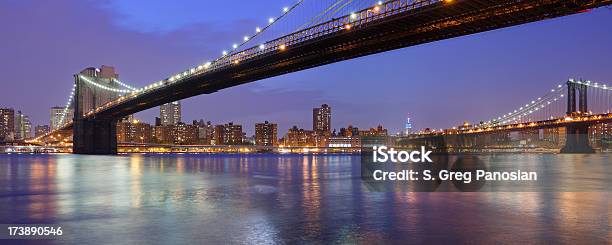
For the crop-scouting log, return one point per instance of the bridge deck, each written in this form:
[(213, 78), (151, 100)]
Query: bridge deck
[(335, 41)]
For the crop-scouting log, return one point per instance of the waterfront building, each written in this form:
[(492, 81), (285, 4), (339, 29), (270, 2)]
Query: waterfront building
[(266, 134), (23, 127), (218, 133), (349, 131), (170, 113), (556, 136), (231, 134), (378, 131), (600, 135), (7, 124), (300, 137), (206, 132), (161, 134), (184, 134), (321, 119), (134, 132), (529, 136), (341, 141)]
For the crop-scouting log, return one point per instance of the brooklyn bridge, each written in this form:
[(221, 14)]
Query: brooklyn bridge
[(333, 35)]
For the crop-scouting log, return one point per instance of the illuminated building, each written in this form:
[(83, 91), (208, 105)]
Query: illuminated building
[(555, 135), (23, 127), (600, 135), (228, 134), (135, 132), (266, 134), (299, 137), (161, 134), (184, 134), (41, 130), (205, 132), (321, 119), (7, 124), (407, 127), (219, 134), (378, 131), (170, 113), (350, 131), (529, 135), (344, 142)]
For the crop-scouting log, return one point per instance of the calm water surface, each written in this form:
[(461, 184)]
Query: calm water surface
[(255, 199)]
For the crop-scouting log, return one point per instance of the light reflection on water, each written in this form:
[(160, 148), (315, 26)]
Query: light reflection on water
[(279, 199)]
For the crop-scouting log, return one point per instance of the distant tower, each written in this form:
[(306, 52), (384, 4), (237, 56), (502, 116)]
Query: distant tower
[(170, 113), (408, 126), (321, 119)]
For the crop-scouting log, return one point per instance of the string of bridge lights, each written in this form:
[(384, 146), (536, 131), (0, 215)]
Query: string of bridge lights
[(70, 98), (86, 79), (529, 108), (540, 103), (124, 85), (235, 47), (592, 84), (533, 110)]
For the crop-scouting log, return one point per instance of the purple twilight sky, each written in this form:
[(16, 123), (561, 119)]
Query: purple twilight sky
[(439, 84)]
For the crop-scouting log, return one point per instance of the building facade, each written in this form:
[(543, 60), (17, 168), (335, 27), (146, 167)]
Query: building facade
[(206, 132), (7, 124), (23, 127), (134, 132), (266, 134), (321, 119), (228, 134), (300, 137), (170, 113)]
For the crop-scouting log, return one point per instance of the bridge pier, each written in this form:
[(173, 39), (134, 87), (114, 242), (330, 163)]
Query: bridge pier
[(577, 139), (95, 136), (577, 135)]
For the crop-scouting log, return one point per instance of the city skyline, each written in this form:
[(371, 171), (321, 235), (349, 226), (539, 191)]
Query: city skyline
[(520, 61)]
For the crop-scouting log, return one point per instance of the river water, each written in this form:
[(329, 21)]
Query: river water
[(270, 199)]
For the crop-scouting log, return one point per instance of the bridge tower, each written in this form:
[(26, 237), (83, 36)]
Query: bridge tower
[(577, 134), (92, 135)]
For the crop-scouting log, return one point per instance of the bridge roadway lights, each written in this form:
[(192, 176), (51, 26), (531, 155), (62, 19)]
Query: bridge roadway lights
[(577, 139), (95, 136)]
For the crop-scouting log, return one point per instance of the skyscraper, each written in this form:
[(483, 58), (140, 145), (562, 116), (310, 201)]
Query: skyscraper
[(321, 119), (408, 127), (170, 113), (7, 124), (23, 127), (266, 134)]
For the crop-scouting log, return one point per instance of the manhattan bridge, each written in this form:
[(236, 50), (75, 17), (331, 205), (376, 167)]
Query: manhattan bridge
[(312, 33)]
